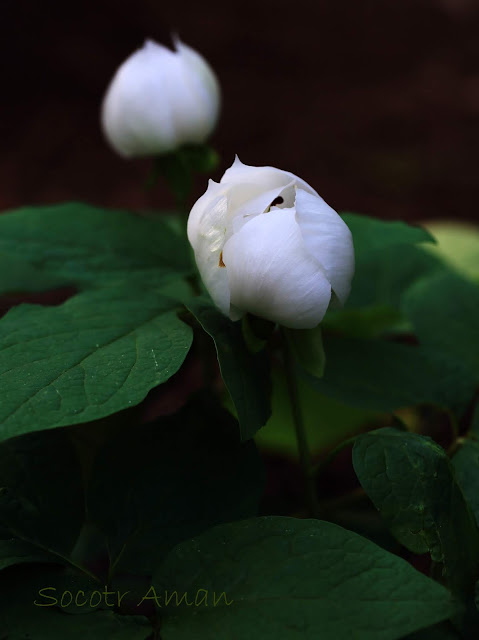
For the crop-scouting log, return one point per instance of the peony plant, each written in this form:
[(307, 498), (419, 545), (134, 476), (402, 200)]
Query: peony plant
[(257, 420)]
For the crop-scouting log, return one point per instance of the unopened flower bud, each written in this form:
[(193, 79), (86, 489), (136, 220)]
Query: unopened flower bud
[(160, 100), (267, 244)]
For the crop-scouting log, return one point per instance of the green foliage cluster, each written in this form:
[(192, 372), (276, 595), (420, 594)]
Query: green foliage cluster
[(116, 526)]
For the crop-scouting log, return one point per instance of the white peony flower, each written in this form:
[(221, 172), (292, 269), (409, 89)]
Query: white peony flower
[(266, 243), (159, 100)]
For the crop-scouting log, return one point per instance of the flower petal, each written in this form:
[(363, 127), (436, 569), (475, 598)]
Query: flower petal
[(206, 232), (197, 104), (261, 203), (328, 239), (267, 177), (213, 219), (133, 125), (206, 216), (271, 273), (241, 203)]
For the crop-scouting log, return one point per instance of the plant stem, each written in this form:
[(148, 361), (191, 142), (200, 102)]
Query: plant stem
[(304, 453)]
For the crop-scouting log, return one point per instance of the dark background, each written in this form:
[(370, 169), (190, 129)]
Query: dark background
[(374, 102)]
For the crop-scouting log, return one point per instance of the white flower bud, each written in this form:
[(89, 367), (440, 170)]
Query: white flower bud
[(266, 243), (160, 100)]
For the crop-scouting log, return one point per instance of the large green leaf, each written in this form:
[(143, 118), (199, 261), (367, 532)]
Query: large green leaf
[(97, 353), (307, 349), (34, 605), (385, 376), (326, 420), (245, 374), (28, 621), (386, 259), (466, 464), (288, 579), (365, 322), (174, 479), (442, 631), (382, 278), (474, 428), (17, 276), (14, 551), (389, 259), (444, 310), (411, 481), (373, 234), (41, 497), (82, 245), (457, 244)]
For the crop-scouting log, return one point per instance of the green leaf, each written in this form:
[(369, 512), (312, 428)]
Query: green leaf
[(326, 421), (41, 497), (372, 234), (14, 551), (45, 583), (76, 244), (444, 311), (475, 421), (256, 332), (307, 346), (22, 618), (18, 276), (466, 465), (457, 245), (382, 277), (388, 261), (442, 631), (34, 623), (411, 481), (287, 578), (245, 374), (97, 353), (185, 474), (368, 322), (386, 376)]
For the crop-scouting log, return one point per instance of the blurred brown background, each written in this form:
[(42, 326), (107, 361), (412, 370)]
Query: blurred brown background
[(375, 102)]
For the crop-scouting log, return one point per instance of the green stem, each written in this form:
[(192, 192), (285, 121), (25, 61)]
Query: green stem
[(304, 453)]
